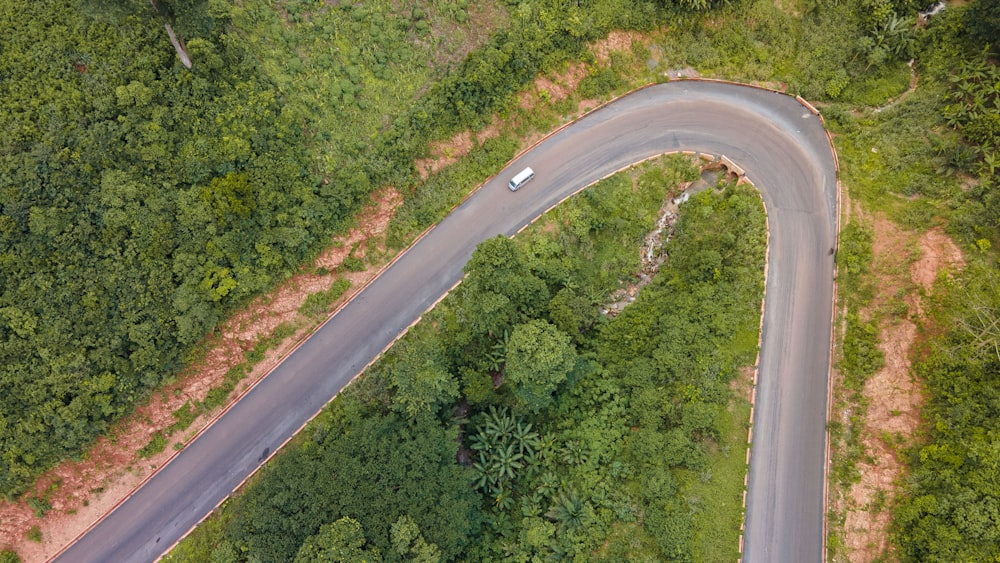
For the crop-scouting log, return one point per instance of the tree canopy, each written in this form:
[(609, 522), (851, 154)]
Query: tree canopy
[(139, 202), (540, 357)]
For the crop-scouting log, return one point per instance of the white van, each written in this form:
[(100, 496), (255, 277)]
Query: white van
[(520, 179)]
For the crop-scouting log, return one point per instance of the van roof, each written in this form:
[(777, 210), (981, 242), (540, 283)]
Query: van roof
[(523, 174)]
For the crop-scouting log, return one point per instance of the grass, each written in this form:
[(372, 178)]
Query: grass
[(34, 534), (354, 264), (347, 67), (434, 198), (183, 417), (879, 86), (719, 492), (858, 355), (204, 542), (216, 397), (890, 162), (156, 444), (629, 541), (39, 506), (317, 305), (603, 226)]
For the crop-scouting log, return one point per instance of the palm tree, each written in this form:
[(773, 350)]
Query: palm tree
[(574, 453), (548, 484), (531, 506), (527, 440), (485, 479), (506, 445), (498, 354), (991, 161), (567, 510), (507, 461), (502, 500)]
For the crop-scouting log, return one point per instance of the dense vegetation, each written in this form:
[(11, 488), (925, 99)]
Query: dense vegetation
[(139, 200), (578, 435), (950, 510), (143, 200), (851, 54)]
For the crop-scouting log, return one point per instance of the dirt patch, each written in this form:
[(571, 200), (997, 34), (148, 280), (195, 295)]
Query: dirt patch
[(790, 7), (80, 492), (742, 386), (892, 394), (893, 414), (547, 89), (553, 88), (490, 131), (563, 84), (446, 153), (620, 41), (682, 72), (937, 251), (451, 40)]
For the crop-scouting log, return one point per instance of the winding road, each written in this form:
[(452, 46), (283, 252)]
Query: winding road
[(785, 152)]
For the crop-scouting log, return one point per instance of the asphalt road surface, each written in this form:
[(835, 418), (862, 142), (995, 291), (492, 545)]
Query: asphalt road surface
[(784, 151)]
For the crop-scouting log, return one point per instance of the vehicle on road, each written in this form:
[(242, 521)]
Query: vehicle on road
[(520, 179)]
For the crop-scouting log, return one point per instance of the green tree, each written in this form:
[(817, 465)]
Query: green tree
[(504, 445), (420, 376), (572, 313), (409, 543), (342, 541), (569, 510), (540, 357), (374, 468), (499, 289), (982, 19), (892, 40)]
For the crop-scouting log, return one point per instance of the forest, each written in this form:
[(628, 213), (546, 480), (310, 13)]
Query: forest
[(141, 202)]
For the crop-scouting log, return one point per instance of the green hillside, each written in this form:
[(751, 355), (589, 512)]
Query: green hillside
[(142, 202)]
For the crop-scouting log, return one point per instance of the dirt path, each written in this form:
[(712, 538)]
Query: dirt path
[(913, 88), (906, 265)]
